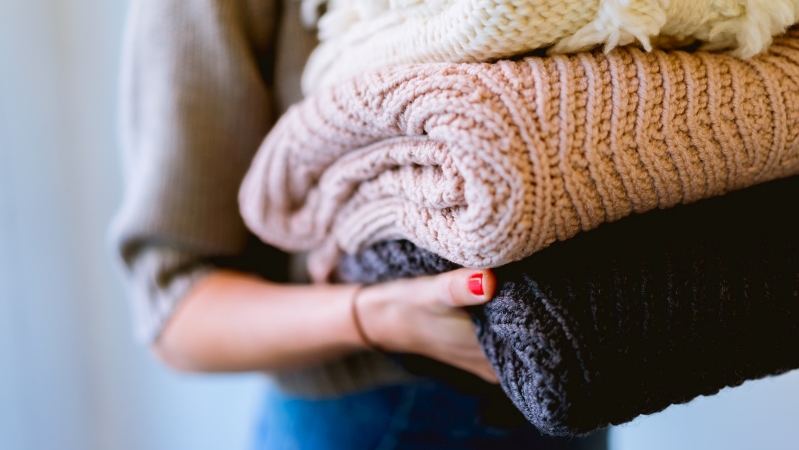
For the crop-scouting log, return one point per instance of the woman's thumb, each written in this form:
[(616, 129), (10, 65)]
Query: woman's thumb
[(466, 287)]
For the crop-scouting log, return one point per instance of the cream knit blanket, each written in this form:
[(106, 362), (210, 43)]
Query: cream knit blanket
[(360, 35), (485, 164)]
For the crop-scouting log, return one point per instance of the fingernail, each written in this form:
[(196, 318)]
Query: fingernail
[(476, 284)]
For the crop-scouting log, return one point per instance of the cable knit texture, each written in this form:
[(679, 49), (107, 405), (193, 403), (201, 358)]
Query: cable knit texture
[(360, 35), (630, 318), (485, 164)]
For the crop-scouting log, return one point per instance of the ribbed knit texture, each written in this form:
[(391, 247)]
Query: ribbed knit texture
[(630, 318), (485, 164), (361, 35)]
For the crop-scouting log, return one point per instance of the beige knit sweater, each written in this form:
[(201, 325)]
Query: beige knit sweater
[(485, 164), (359, 35)]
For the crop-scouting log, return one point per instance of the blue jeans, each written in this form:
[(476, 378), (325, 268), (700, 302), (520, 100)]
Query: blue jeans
[(425, 415)]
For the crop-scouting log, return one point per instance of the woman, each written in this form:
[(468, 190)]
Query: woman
[(198, 81)]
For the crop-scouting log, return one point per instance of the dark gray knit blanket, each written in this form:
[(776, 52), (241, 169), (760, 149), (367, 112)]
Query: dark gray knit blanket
[(637, 315)]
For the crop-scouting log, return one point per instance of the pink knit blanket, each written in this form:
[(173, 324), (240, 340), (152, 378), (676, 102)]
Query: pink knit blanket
[(485, 164)]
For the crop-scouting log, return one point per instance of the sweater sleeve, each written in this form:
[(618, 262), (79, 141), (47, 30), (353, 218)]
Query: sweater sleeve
[(195, 104)]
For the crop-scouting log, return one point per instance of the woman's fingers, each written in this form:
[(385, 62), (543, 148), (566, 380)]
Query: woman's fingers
[(484, 370), (458, 341), (465, 287), (476, 363)]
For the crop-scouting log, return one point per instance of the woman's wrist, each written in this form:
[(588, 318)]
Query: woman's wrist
[(349, 322), (358, 323), (378, 316), (390, 314)]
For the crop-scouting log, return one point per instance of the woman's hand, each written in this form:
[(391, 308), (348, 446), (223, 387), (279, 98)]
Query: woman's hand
[(425, 316)]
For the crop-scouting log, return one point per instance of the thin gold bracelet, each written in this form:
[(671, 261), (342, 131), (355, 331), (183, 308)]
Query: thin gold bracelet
[(357, 320)]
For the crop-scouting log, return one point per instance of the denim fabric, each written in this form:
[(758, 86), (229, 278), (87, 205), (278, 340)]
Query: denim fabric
[(425, 415)]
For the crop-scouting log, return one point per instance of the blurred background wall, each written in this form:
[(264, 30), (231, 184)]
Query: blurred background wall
[(71, 377)]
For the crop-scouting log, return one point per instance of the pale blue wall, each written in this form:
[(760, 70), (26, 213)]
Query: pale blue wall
[(759, 415), (70, 376)]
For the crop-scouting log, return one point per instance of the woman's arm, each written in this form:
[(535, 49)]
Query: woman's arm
[(235, 322)]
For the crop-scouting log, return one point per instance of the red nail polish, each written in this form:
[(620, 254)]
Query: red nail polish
[(476, 284)]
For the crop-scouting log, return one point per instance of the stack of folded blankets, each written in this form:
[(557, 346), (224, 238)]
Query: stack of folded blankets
[(599, 184)]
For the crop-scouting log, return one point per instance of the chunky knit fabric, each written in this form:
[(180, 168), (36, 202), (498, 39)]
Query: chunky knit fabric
[(637, 315), (485, 164), (359, 35)]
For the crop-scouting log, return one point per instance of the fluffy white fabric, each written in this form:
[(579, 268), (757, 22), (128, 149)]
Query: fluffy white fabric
[(360, 35)]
